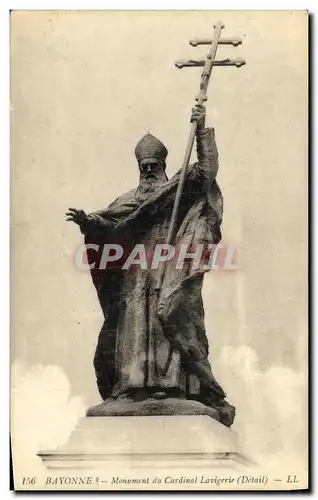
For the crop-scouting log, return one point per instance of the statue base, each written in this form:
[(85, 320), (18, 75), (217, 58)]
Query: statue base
[(126, 406), (116, 445)]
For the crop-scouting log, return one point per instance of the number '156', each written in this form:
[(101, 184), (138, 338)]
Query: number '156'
[(29, 480)]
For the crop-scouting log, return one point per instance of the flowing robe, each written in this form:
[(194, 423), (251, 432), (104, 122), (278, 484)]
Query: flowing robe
[(147, 343)]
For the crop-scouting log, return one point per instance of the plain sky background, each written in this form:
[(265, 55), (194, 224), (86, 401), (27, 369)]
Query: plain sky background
[(85, 86)]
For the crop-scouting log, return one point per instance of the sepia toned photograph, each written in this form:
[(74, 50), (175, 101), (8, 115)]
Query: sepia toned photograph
[(159, 250)]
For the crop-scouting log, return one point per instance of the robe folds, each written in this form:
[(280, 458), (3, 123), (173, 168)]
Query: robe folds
[(150, 342)]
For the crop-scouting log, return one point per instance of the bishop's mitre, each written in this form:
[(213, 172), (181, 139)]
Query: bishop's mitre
[(150, 147)]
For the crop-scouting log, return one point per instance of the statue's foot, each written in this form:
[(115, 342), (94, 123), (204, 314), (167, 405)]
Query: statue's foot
[(160, 395)]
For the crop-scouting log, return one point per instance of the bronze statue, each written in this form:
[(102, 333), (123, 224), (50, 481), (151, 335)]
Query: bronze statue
[(150, 348), (152, 352)]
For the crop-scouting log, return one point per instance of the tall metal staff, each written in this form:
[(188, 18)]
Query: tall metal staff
[(207, 64)]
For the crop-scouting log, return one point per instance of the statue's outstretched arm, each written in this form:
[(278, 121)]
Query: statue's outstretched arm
[(88, 223)]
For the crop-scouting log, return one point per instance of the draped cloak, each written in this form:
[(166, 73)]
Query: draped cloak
[(148, 342)]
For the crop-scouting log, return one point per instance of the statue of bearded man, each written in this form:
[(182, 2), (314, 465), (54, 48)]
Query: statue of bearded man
[(152, 353)]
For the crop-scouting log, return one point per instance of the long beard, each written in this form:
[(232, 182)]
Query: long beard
[(147, 186)]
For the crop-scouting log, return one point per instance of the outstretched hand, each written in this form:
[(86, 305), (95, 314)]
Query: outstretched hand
[(77, 216)]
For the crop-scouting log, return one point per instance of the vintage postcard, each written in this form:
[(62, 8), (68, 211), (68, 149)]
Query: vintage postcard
[(159, 323)]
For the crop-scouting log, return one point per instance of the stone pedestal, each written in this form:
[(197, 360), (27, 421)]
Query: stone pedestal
[(185, 443)]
